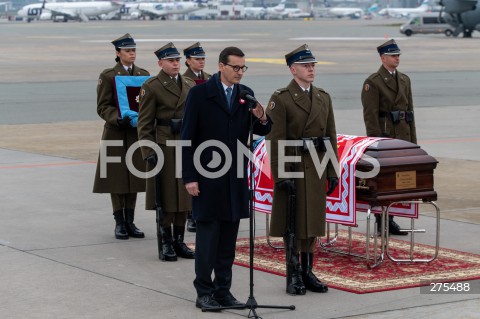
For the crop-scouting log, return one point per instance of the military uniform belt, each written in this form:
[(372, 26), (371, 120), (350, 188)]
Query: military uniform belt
[(397, 116), (312, 142), (175, 124)]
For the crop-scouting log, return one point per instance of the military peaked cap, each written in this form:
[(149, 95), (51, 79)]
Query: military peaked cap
[(124, 42), (194, 51), (300, 55), (389, 48), (168, 51)]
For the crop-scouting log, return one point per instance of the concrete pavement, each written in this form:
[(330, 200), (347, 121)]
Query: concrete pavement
[(58, 255)]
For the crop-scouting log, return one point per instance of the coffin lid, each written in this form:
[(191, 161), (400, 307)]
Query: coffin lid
[(394, 152)]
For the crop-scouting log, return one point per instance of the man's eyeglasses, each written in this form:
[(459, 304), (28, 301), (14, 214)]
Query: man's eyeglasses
[(237, 68)]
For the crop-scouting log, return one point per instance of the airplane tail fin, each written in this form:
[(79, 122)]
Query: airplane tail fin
[(373, 8)]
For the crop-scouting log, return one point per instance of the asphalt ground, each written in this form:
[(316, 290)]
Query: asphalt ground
[(58, 257)]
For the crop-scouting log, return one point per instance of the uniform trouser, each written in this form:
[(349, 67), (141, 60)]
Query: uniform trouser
[(214, 252), (306, 245), (175, 218), (121, 201)]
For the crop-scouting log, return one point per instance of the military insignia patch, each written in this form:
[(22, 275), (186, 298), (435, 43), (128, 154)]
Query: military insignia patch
[(99, 81), (271, 106), (367, 87)]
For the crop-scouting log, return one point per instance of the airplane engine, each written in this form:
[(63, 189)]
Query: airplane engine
[(454, 6), (135, 14), (46, 15)]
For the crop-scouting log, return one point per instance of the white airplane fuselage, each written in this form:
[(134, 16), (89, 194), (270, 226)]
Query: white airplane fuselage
[(69, 9)]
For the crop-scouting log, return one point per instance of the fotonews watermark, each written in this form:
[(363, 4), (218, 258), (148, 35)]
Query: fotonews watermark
[(220, 158)]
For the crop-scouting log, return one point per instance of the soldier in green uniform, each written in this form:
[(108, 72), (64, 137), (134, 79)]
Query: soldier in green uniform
[(388, 106), (160, 118), (122, 185), (195, 63), (302, 112)]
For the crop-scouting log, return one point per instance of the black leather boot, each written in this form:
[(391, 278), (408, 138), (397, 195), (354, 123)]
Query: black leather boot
[(180, 248), (120, 230), (309, 279), (295, 285), (168, 253), (394, 228), (191, 223), (132, 230), (378, 220)]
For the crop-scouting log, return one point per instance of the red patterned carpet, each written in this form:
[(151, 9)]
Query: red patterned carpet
[(351, 273)]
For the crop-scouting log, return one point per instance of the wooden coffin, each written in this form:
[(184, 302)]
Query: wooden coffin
[(406, 173)]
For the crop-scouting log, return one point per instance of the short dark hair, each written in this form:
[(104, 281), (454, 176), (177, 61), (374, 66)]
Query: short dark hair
[(223, 57)]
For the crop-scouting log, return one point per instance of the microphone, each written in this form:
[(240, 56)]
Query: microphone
[(245, 95)]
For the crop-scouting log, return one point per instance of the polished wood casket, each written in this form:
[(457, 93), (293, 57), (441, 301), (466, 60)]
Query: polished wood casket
[(406, 173)]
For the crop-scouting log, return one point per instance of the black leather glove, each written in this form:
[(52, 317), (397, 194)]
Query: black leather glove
[(287, 185), (152, 159), (332, 184), (124, 123)]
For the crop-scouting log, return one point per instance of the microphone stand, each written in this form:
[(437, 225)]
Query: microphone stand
[(251, 303)]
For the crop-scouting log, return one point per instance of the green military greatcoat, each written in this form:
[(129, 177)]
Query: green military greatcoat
[(383, 93), (295, 115), (161, 99), (189, 73), (119, 180)]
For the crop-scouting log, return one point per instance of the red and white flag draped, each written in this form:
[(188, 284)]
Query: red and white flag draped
[(341, 204)]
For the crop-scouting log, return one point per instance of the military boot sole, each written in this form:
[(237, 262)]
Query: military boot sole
[(293, 291), (122, 237), (167, 258), (141, 235)]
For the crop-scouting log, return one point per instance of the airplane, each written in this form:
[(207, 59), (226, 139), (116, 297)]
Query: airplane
[(156, 10), (300, 15), (464, 15), (340, 12), (81, 10), (255, 12), (281, 12), (405, 12)]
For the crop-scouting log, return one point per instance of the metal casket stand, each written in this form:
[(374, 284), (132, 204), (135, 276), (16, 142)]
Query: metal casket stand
[(406, 177)]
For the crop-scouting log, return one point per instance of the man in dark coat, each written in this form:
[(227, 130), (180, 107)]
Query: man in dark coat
[(161, 110), (195, 63), (216, 122), (302, 112), (122, 185), (388, 106)]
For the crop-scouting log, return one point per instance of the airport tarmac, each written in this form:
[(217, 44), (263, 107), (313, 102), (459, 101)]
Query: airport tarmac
[(58, 257)]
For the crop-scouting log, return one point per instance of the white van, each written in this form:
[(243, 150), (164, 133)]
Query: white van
[(426, 23)]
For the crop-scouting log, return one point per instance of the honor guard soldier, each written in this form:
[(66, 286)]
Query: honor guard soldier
[(195, 63), (160, 119), (122, 185), (388, 106), (301, 112)]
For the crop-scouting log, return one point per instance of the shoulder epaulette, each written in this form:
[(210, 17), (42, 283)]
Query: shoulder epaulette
[(280, 91), (150, 80), (188, 79), (374, 75), (322, 90), (107, 70)]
